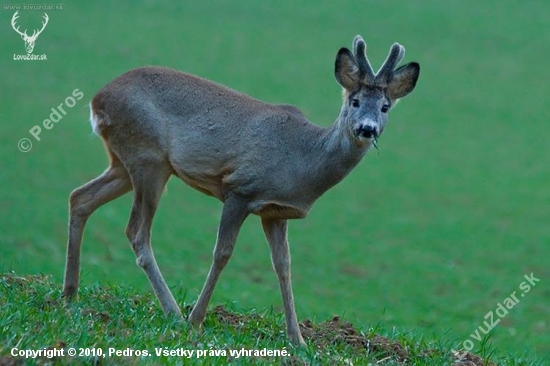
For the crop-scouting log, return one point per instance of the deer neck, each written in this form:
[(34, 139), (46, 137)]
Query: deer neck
[(339, 153), (345, 150)]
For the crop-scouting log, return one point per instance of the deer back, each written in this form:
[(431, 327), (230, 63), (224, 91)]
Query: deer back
[(215, 138)]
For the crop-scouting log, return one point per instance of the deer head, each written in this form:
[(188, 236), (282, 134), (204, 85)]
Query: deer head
[(368, 97), (29, 40)]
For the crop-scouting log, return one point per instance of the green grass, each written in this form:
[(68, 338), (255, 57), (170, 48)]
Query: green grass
[(425, 237), (114, 319)]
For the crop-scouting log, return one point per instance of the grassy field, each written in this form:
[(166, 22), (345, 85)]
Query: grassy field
[(426, 237), (109, 319)]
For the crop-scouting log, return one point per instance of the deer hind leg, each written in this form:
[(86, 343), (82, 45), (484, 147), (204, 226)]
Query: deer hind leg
[(276, 235), (113, 183), (149, 179), (234, 213)]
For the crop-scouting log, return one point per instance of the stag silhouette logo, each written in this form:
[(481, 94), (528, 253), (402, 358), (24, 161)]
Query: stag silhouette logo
[(29, 40)]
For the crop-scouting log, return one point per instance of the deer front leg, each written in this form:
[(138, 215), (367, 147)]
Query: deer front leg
[(234, 213), (276, 234)]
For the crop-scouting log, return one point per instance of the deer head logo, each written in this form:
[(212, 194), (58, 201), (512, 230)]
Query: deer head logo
[(29, 40)]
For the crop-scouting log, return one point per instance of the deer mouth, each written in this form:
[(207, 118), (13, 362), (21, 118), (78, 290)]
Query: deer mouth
[(367, 131)]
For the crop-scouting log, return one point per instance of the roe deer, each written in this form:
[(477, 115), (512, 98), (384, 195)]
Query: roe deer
[(255, 157)]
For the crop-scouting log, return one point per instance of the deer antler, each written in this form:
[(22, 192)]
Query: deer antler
[(384, 74), (395, 56), (13, 19), (365, 69), (43, 26)]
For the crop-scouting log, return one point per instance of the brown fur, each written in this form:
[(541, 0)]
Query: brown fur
[(257, 158)]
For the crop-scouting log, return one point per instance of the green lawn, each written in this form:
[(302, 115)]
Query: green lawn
[(427, 236), (115, 326)]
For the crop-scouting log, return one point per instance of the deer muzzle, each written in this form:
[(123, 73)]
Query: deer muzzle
[(367, 131)]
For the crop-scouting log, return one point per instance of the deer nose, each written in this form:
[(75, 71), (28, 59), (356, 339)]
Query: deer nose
[(368, 131)]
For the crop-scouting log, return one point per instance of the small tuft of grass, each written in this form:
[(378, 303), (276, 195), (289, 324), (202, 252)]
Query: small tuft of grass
[(114, 325)]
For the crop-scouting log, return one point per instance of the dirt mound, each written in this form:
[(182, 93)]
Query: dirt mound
[(328, 337), (333, 332)]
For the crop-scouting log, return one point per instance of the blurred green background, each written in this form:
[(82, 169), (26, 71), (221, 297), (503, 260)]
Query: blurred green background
[(427, 236)]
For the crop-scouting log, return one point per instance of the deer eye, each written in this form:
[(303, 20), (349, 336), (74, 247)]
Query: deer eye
[(355, 103), (385, 108)]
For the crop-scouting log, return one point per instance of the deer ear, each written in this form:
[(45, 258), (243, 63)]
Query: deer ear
[(346, 69), (403, 80)]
